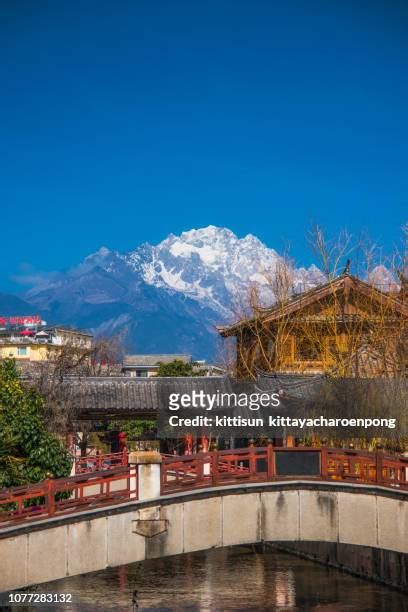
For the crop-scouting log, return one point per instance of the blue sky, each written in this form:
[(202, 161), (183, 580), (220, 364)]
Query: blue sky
[(125, 121)]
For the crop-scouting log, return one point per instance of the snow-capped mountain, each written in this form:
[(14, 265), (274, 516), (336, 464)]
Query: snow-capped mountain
[(212, 265), (383, 279), (166, 297)]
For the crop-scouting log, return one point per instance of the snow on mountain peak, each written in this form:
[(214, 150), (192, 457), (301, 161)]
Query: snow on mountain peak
[(383, 278), (206, 233), (100, 253), (209, 264), (103, 251)]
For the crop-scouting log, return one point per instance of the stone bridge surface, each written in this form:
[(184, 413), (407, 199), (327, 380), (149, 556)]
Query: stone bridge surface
[(359, 527)]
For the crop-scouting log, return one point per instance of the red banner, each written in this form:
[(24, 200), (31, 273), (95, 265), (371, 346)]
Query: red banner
[(28, 320)]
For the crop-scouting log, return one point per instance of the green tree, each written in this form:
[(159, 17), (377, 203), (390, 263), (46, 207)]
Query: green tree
[(176, 368), (134, 427), (28, 452)]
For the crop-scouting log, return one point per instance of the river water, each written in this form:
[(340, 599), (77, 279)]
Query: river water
[(225, 579)]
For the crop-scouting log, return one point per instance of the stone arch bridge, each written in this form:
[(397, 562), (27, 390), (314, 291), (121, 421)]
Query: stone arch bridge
[(351, 512)]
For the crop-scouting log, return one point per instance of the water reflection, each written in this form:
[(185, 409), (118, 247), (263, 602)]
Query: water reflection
[(227, 579)]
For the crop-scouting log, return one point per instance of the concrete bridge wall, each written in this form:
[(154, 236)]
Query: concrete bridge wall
[(366, 518)]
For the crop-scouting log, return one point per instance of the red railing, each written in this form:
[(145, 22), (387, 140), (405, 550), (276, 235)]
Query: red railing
[(58, 496), (206, 469), (261, 464), (96, 463)]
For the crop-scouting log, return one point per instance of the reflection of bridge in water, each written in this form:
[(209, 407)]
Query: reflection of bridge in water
[(347, 505)]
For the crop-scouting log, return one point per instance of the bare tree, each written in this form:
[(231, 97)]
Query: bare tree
[(52, 376), (348, 327)]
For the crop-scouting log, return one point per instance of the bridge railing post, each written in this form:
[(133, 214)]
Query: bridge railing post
[(323, 463), (200, 465), (133, 481), (379, 465), (205, 460), (214, 467), (145, 474), (50, 495), (252, 457), (270, 461)]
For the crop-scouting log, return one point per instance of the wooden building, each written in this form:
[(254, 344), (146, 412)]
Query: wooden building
[(347, 327)]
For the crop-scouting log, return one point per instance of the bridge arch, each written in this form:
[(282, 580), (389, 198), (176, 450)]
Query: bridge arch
[(371, 520)]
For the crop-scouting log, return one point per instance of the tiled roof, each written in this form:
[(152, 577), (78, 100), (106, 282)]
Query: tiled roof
[(125, 396), (112, 396), (131, 397)]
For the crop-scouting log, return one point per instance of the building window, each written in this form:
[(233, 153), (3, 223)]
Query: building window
[(306, 350), (22, 351), (141, 373)]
